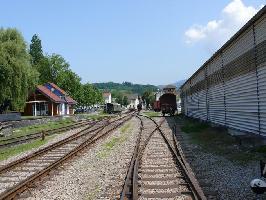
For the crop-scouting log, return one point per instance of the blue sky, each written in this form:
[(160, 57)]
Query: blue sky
[(142, 41)]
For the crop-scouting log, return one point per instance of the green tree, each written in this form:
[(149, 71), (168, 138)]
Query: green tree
[(17, 76), (58, 65), (80, 96), (56, 69), (60, 74), (125, 101), (44, 68), (36, 49), (119, 98), (39, 61), (125, 87), (148, 97), (89, 95), (70, 82), (99, 96)]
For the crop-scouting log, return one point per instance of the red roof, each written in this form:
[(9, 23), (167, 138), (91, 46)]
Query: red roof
[(58, 88), (53, 97), (70, 100), (49, 94), (106, 94)]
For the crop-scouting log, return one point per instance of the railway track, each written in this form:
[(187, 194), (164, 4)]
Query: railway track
[(17, 176), (158, 169), (9, 142)]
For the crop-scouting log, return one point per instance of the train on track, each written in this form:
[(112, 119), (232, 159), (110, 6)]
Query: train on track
[(112, 108), (166, 104), (139, 107)]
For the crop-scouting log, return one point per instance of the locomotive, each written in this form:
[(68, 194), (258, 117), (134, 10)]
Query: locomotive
[(113, 108)]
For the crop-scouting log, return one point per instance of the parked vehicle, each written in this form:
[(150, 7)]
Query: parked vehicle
[(139, 106), (179, 109), (168, 104)]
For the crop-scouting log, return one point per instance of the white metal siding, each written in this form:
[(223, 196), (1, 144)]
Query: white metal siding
[(262, 97), (215, 65), (243, 43), (216, 93), (216, 104), (235, 92), (202, 112), (194, 104), (241, 103), (260, 35), (260, 30)]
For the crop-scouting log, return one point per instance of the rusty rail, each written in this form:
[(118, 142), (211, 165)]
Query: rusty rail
[(130, 190), (132, 175), (196, 189), (9, 142), (14, 191)]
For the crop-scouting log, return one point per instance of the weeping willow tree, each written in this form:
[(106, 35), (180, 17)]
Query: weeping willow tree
[(17, 77)]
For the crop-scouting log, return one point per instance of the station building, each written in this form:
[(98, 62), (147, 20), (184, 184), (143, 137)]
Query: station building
[(107, 96), (134, 100), (49, 100)]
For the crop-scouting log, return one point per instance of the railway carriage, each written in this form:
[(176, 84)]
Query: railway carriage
[(168, 104), (139, 107)]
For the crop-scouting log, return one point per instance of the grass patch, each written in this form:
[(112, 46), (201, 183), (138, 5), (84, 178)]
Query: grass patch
[(33, 117), (151, 113), (96, 116), (193, 126), (37, 128), (125, 128), (115, 141), (92, 195), (261, 149), (218, 141), (9, 152)]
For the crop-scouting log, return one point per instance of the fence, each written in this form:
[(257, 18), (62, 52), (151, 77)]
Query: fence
[(14, 116), (230, 88)]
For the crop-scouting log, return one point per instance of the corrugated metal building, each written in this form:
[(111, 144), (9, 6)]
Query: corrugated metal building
[(230, 88)]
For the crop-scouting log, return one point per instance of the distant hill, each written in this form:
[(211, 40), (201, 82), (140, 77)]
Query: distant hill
[(178, 84), (126, 87)]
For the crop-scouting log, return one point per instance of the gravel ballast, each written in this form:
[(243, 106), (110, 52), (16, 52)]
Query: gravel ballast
[(56, 138), (96, 173), (217, 175)]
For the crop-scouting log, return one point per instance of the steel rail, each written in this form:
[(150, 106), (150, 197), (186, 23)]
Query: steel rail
[(130, 184), (48, 148), (39, 132), (132, 175), (33, 136), (21, 186), (178, 153), (127, 187)]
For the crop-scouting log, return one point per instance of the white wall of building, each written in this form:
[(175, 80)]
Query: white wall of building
[(133, 103), (108, 99)]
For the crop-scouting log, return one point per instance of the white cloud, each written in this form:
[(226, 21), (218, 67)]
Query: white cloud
[(217, 32)]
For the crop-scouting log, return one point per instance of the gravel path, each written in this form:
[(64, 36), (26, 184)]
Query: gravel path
[(219, 175), (98, 173)]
